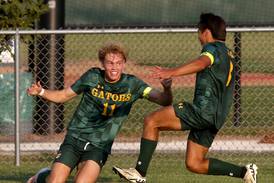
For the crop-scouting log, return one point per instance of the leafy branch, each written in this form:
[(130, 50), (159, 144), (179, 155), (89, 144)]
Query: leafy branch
[(21, 14)]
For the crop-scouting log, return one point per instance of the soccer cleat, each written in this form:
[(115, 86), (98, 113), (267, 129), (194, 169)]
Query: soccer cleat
[(131, 174), (251, 173), (33, 179)]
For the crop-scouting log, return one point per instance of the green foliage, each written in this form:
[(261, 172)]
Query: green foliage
[(20, 14)]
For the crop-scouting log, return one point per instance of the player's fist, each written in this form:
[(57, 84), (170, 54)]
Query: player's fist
[(34, 89), (166, 83)]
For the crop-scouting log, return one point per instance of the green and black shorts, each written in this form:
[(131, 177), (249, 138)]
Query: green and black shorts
[(201, 131), (73, 151)]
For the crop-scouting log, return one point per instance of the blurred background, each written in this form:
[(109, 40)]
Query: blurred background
[(55, 42)]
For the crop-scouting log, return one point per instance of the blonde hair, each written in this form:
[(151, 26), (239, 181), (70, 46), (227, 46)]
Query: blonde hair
[(112, 48)]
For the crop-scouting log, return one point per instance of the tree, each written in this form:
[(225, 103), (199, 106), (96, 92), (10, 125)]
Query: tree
[(21, 14)]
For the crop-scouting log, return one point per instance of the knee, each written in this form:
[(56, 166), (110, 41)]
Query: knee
[(149, 122), (55, 179), (85, 179), (193, 165), (79, 180)]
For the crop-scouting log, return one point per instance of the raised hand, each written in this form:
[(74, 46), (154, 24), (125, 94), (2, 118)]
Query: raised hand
[(34, 89), (160, 73)]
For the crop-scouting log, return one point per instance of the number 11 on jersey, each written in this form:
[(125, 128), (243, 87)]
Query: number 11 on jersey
[(105, 111)]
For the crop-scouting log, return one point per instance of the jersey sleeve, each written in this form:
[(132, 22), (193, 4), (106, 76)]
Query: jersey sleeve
[(146, 92), (143, 89), (83, 82), (209, 51)]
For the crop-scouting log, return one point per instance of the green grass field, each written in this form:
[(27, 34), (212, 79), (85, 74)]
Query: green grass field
[(165, 168)]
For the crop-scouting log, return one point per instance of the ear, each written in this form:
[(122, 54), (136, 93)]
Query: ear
[(208, 34), (102, 64)]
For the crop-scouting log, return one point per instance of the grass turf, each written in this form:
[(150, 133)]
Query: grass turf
[(164, 168)]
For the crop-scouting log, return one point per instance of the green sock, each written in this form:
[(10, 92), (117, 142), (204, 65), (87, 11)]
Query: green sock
[(146, 150), (42, 175), (217, 167)]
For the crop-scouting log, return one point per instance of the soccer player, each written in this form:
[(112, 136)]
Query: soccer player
[(204, 117), (108, 95)]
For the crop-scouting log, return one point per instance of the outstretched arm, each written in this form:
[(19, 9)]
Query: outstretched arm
[(163, 98), (189, 68), (58, 96)]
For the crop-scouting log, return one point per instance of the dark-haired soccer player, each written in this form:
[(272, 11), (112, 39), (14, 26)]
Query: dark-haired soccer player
[(205, 116), (107, 98)]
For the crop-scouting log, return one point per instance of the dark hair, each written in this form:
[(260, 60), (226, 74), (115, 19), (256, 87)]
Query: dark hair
[(215, 24), (111, 48)]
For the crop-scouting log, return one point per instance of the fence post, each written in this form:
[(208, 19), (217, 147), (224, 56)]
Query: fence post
[(17, 98), (237, 91)]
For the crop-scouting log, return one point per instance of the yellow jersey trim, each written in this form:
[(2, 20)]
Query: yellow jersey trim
[(146, 92), (210, 56), (230, 74)]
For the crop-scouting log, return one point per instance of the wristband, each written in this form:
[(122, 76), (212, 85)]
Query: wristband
[(41, 93)]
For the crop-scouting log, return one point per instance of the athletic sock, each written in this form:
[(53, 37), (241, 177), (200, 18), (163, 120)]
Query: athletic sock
[(146, 150), (42, 175), (218, 167)]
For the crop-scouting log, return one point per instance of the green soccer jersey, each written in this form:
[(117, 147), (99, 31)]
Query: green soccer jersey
[(214, 85), (103, 106)]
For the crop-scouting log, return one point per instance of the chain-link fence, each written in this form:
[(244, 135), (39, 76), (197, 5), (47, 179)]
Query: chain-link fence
[(58, 58)]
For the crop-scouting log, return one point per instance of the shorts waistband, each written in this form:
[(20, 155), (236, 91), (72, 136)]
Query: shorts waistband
[(76, 136)]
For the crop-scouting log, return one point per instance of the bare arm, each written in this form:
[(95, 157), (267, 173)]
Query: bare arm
[(58, 96), (189, 68), (163, 98)]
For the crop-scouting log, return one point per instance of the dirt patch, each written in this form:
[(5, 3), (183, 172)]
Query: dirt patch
[(268, 139)]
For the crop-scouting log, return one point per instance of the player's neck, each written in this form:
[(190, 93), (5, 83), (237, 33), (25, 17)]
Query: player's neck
[(115, 81), (215, 40)]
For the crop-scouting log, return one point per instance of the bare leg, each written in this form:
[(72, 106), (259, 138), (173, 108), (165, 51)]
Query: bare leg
[(195, 158), (162, 119), (88, 172), (59, 173), (197, 162)]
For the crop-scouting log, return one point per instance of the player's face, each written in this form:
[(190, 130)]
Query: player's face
[(114, 65)]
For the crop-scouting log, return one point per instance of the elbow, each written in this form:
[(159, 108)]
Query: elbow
[(64, 98), (57, 101), (61, 100), (168, 101)]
